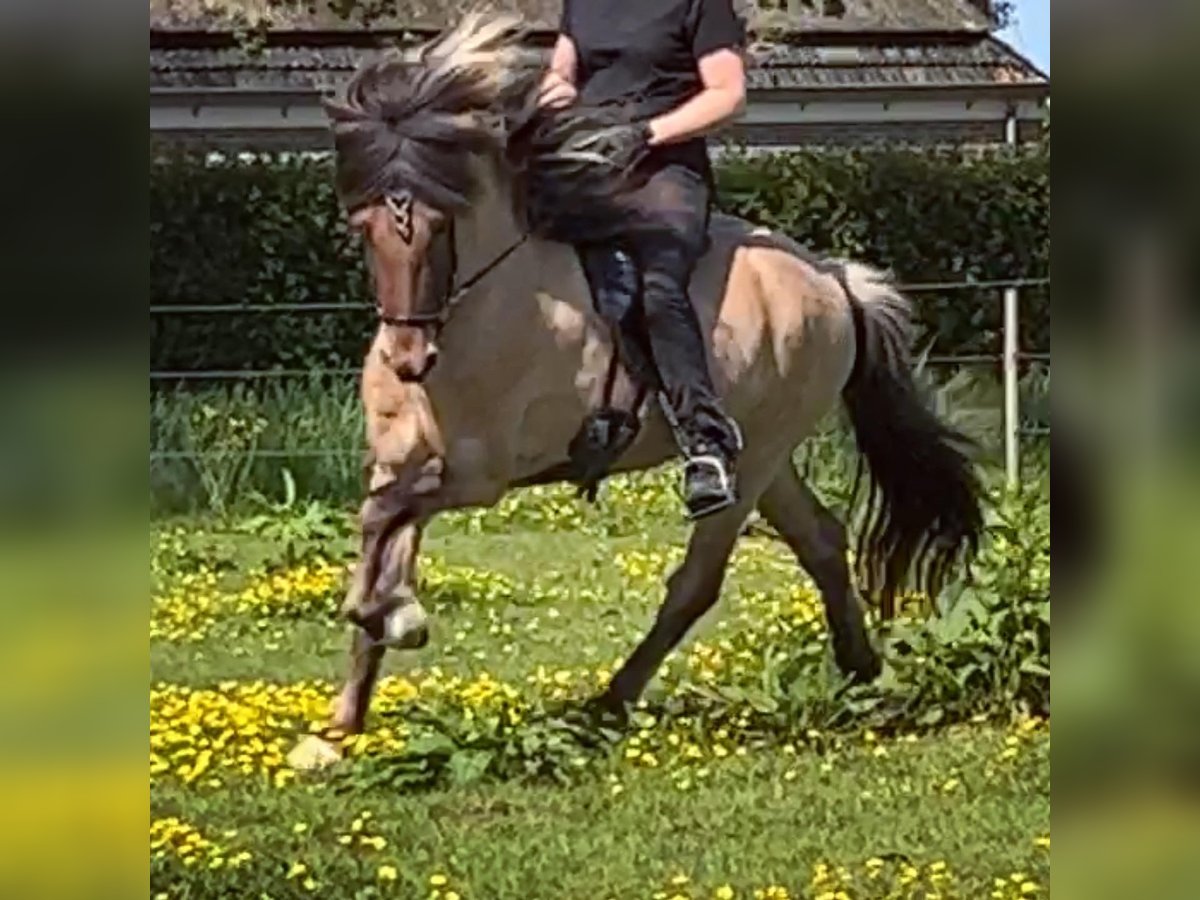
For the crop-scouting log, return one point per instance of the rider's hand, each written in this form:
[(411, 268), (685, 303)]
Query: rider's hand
[(556, 92), (624, 146)]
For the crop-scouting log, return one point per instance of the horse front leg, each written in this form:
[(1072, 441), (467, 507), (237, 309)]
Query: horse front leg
[(691, 590), (382, 601), (382, 606), (398, 620)]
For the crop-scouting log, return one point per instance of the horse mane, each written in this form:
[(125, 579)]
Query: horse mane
[(420, 124), (417, 125)]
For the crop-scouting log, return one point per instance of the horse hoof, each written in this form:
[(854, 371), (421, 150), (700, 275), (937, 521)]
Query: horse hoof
[(609, 710), (862, 668), (313, 753), (406, 627)]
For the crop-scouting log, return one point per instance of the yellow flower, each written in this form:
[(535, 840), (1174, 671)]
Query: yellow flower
[(438, 880), (388, 873), (297, 869), (451, 895), (724, 892)]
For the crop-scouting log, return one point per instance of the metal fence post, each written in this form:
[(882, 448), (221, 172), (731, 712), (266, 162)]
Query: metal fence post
[(1012, 412)]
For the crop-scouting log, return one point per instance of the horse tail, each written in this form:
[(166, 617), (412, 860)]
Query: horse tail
[(922, 513)]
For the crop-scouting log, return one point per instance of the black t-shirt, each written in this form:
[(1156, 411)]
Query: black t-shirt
[(643, 54)]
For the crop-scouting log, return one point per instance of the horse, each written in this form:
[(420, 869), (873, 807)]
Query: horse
[(489, 353)]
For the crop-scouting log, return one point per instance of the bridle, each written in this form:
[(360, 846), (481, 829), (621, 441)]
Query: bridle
[(400, 207)]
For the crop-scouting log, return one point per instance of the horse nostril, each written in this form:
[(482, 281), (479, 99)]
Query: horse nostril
[(398, 365)]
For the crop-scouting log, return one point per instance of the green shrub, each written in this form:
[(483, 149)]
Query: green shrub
[(267, 230)]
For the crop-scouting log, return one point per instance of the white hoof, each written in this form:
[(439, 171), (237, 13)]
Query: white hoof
[(406, 627), (313, 753)]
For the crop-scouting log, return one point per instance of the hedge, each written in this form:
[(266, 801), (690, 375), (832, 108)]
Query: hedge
[(267, 230)]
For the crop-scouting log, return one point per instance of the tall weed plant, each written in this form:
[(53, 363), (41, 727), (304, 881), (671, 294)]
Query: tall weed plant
[(248, 447), (225, 449)]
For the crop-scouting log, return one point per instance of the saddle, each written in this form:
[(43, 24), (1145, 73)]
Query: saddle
[(615, 283)]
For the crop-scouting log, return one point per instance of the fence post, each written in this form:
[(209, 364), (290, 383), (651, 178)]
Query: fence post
[(1012, 412)]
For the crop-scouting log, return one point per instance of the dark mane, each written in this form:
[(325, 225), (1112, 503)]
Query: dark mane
[(417, 123)]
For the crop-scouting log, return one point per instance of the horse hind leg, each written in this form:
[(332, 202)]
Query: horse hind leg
[(818, 539)]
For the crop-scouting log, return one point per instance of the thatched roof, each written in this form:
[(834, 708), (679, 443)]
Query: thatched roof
[(327, 15)]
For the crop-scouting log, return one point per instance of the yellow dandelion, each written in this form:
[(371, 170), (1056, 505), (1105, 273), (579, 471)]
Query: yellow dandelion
[(387, 873), (438, 880)]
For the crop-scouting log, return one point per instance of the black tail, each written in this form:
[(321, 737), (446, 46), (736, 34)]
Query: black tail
[(923, 512)]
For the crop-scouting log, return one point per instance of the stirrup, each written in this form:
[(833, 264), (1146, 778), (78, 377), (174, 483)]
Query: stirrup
[(737, 433), (723, 497)]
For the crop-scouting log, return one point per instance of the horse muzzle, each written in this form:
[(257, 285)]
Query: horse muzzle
[(412, 368)]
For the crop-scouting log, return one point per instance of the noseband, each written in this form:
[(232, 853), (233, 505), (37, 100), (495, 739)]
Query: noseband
[(400, 206)]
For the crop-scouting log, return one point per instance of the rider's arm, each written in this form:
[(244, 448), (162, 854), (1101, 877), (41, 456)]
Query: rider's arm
[(558, 83), (716, 44)]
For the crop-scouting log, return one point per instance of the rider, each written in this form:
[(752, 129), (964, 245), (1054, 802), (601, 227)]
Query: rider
[(676, 66)]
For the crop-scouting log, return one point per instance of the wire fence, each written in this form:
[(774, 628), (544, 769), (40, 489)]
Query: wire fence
[(1010, 357)]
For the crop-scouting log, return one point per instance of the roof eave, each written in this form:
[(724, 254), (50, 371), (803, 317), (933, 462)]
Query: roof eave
[(1018, 90), (167, 38)]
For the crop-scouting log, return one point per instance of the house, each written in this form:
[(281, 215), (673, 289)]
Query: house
[(249, 74)]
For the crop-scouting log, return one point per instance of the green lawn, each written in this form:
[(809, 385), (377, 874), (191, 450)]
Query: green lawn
[(971, 798)]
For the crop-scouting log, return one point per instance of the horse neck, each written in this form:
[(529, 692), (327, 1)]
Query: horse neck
[(488, 228), (501, 306)]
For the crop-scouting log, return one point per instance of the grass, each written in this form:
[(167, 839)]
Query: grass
[(944, 813), (755, 821)]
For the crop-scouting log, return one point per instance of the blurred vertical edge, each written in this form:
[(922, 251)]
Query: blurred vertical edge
[(1127, 447), (73, 439)]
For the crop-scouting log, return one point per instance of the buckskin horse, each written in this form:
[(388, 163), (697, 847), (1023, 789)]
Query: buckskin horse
[(426, 170)]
